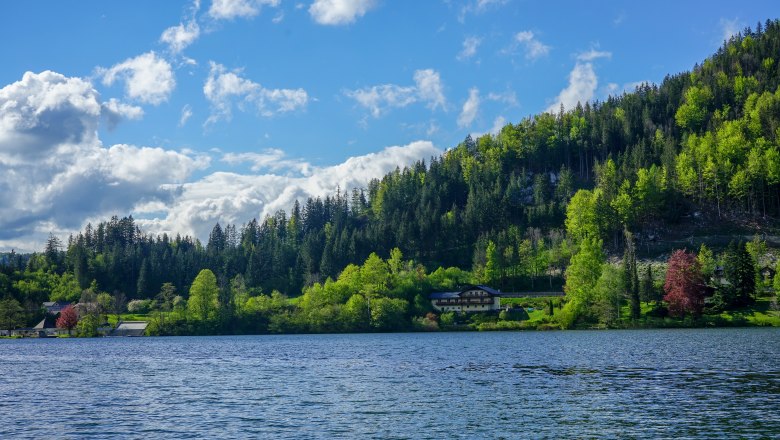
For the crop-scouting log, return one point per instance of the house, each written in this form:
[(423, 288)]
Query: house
[(472, 298), (47, 327), (130, 328), (54, 307)]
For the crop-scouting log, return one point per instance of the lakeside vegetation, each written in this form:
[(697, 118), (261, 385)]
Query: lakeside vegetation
[(598, 200)]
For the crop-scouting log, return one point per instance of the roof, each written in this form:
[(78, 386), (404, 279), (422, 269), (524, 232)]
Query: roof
[(444, 295), (132, 325), (47, 322), (487, 289), (448, 295)]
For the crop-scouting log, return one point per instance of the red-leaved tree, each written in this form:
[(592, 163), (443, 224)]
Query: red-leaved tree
[(684, 285), (68, 318)]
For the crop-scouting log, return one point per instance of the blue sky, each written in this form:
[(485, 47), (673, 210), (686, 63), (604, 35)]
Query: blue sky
[(185, 113)]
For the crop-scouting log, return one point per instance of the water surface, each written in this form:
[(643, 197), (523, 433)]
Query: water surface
[(713, 383)]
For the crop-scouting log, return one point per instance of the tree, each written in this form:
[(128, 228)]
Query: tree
[(11, 314), (647, 289), (581, 277), (68, 318), (202, 304), (609, 295), (684, 286), (630, 276), (740, 273)]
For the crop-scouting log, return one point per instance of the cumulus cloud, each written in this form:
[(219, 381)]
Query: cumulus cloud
[(470, 45), (339, 12), (534, 49), (179, 37), (224, 87), (582, 82), (379, 99), (231, 9), (148, 78), (55, 171), (115, 111), (470, 109), (237, 198)]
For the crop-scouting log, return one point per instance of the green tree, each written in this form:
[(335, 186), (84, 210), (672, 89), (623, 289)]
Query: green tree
[(739, 272), (11, 314), (581, 277), (630, 276), (202, 304), (608, 295)]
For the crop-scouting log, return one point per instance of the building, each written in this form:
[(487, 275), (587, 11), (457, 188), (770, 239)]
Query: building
[(470, 299), (130, 328), (47, 327), (54, 307)]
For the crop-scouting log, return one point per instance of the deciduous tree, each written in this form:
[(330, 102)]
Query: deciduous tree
[(684, 286)]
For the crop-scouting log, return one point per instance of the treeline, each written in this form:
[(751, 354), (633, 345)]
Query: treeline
[(511, 207)]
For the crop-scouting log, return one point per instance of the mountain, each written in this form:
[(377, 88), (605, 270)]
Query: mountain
[(700, 150)]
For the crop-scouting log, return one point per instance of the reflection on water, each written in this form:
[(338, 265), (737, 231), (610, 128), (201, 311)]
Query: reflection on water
[(715, 383)]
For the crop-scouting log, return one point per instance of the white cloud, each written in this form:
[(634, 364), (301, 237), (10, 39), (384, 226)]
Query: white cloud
[(339, 12), (55, 171), (509, 98), (478, 7), (428, 88), (593, 54), (186, 114), (470, 109), (498, 124), (534, 49), (236, 198), (148, 78), (272, 159), (730, 27), (179, 37), (614, 89), (583, 82), (231, 9), (115, 111), (470, 45), (582, 85), (223, 87)]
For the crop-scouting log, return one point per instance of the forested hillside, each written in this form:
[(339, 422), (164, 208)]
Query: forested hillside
[(512, 207)]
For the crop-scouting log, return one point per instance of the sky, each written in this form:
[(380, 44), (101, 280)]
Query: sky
[(188, 113)]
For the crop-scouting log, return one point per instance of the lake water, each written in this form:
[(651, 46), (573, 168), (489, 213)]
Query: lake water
[(713, 383)]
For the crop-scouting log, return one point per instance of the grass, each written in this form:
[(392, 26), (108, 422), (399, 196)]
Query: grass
[(112, 319)]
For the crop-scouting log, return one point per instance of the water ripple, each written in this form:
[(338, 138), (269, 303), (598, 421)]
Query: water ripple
[(679, 384)]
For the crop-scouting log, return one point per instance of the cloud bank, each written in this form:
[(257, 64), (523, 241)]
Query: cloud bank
[(56, 174)]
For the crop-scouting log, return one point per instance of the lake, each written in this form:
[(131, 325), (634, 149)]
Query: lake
[(708, 383)]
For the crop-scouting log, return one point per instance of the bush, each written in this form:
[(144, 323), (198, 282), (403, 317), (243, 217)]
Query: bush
[(447, 319), (87, 326), (140, 306), (425, 323)]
